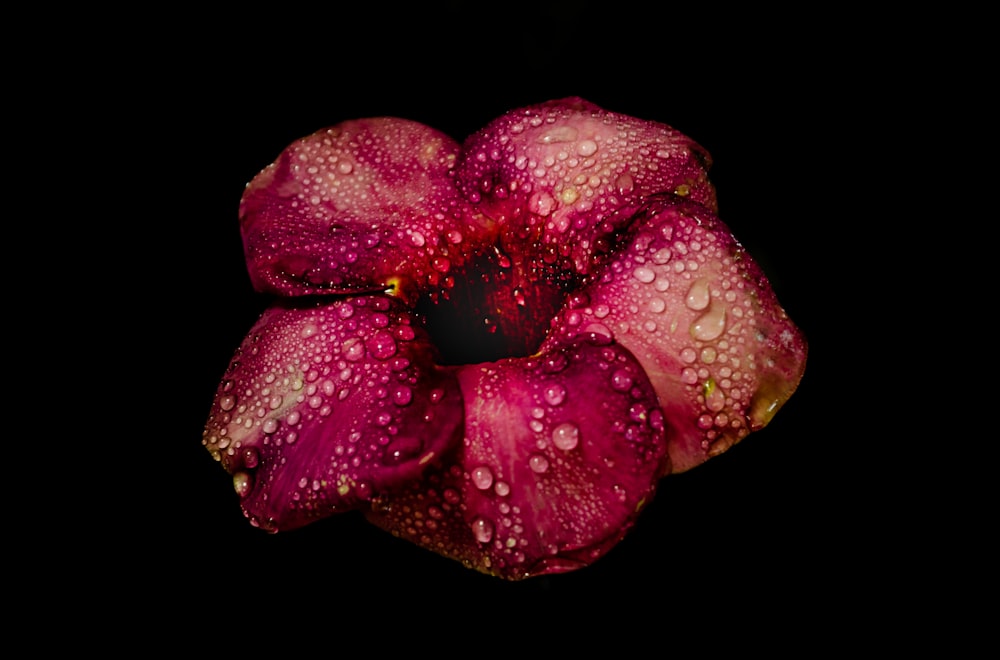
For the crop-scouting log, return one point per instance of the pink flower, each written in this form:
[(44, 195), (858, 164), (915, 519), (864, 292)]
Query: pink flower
[(494, 349)]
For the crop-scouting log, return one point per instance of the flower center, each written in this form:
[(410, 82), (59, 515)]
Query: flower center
[(500, 309)]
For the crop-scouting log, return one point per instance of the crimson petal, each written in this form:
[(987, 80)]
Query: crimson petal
[(561, 173), (561, 452), (701, 317), (364, 205), (325, 405)]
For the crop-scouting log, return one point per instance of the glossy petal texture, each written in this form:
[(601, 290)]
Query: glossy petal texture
[(701, 317), (327, 404), (494, 350), (561, 452), (560, 177), (364, 205)]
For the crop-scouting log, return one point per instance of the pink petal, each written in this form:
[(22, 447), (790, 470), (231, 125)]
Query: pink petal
[(564, 174), (325, 405), (561, 452), (695, 309), (362, 206)]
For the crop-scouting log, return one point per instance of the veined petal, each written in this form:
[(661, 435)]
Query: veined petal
[(327, 404), (561, 452)]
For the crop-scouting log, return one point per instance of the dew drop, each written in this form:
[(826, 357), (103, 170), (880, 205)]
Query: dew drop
[(621, 380), (710, 324), (698, 295), (482, 477), (555, 394), (381, 345), (482, 529), (538, 463), (559, 134), (402, 395), (644, 274), (656, 305), (566, 436), (354, 349), (625, 184), (270, 426), (586, 148), (227, 402), (502, 488), (243, 483), (661, 256)]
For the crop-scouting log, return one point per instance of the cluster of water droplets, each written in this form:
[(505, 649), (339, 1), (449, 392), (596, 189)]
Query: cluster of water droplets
[(347, 361)]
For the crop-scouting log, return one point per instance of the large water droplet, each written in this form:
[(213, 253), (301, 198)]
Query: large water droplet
[(381, 345), (644, 274), (698, 295), (586, 148), (243, 483), (482, 529), (566, 436), (538, 463), (559, 134), (555, 394), (354, 349), (709, 325), (482, 477)]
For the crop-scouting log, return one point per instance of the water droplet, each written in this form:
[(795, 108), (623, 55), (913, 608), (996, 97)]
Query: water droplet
[(502, 488), (698, 295), (519, 297), (625, 184), (482, 529), (441, 264), (661, 256), (402, 449), (644, 274), (656, 305), (270, 426), (227, 402), (482, 477), (566, 436), (354, 349), (689, 376), (243, 483), (555, 394), (586, 148), (710, 324), (381, 345), (621, 380), (538, 463), (402, 395), (559, 134)]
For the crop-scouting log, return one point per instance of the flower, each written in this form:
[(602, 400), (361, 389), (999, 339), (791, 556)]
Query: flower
[(494, 349)]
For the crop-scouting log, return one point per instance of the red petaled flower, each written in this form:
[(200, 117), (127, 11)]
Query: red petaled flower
[(494, 349)]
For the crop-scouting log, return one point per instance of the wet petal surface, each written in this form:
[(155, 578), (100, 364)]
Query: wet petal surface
[(328, 404), (702, 319), (564, 174), (364, 205), (561, 452)]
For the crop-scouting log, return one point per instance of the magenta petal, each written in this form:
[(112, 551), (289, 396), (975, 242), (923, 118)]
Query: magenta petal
[(365, 205), (561, 452), (326, 405), (568, 171), (695, 309)]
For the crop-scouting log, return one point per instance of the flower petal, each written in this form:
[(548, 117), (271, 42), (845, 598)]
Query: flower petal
[(561, 172), (561, 452), (365, 205), (325, 405), (699, 314)]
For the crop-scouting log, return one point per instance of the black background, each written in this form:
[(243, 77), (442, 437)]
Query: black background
[(771, 530)]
